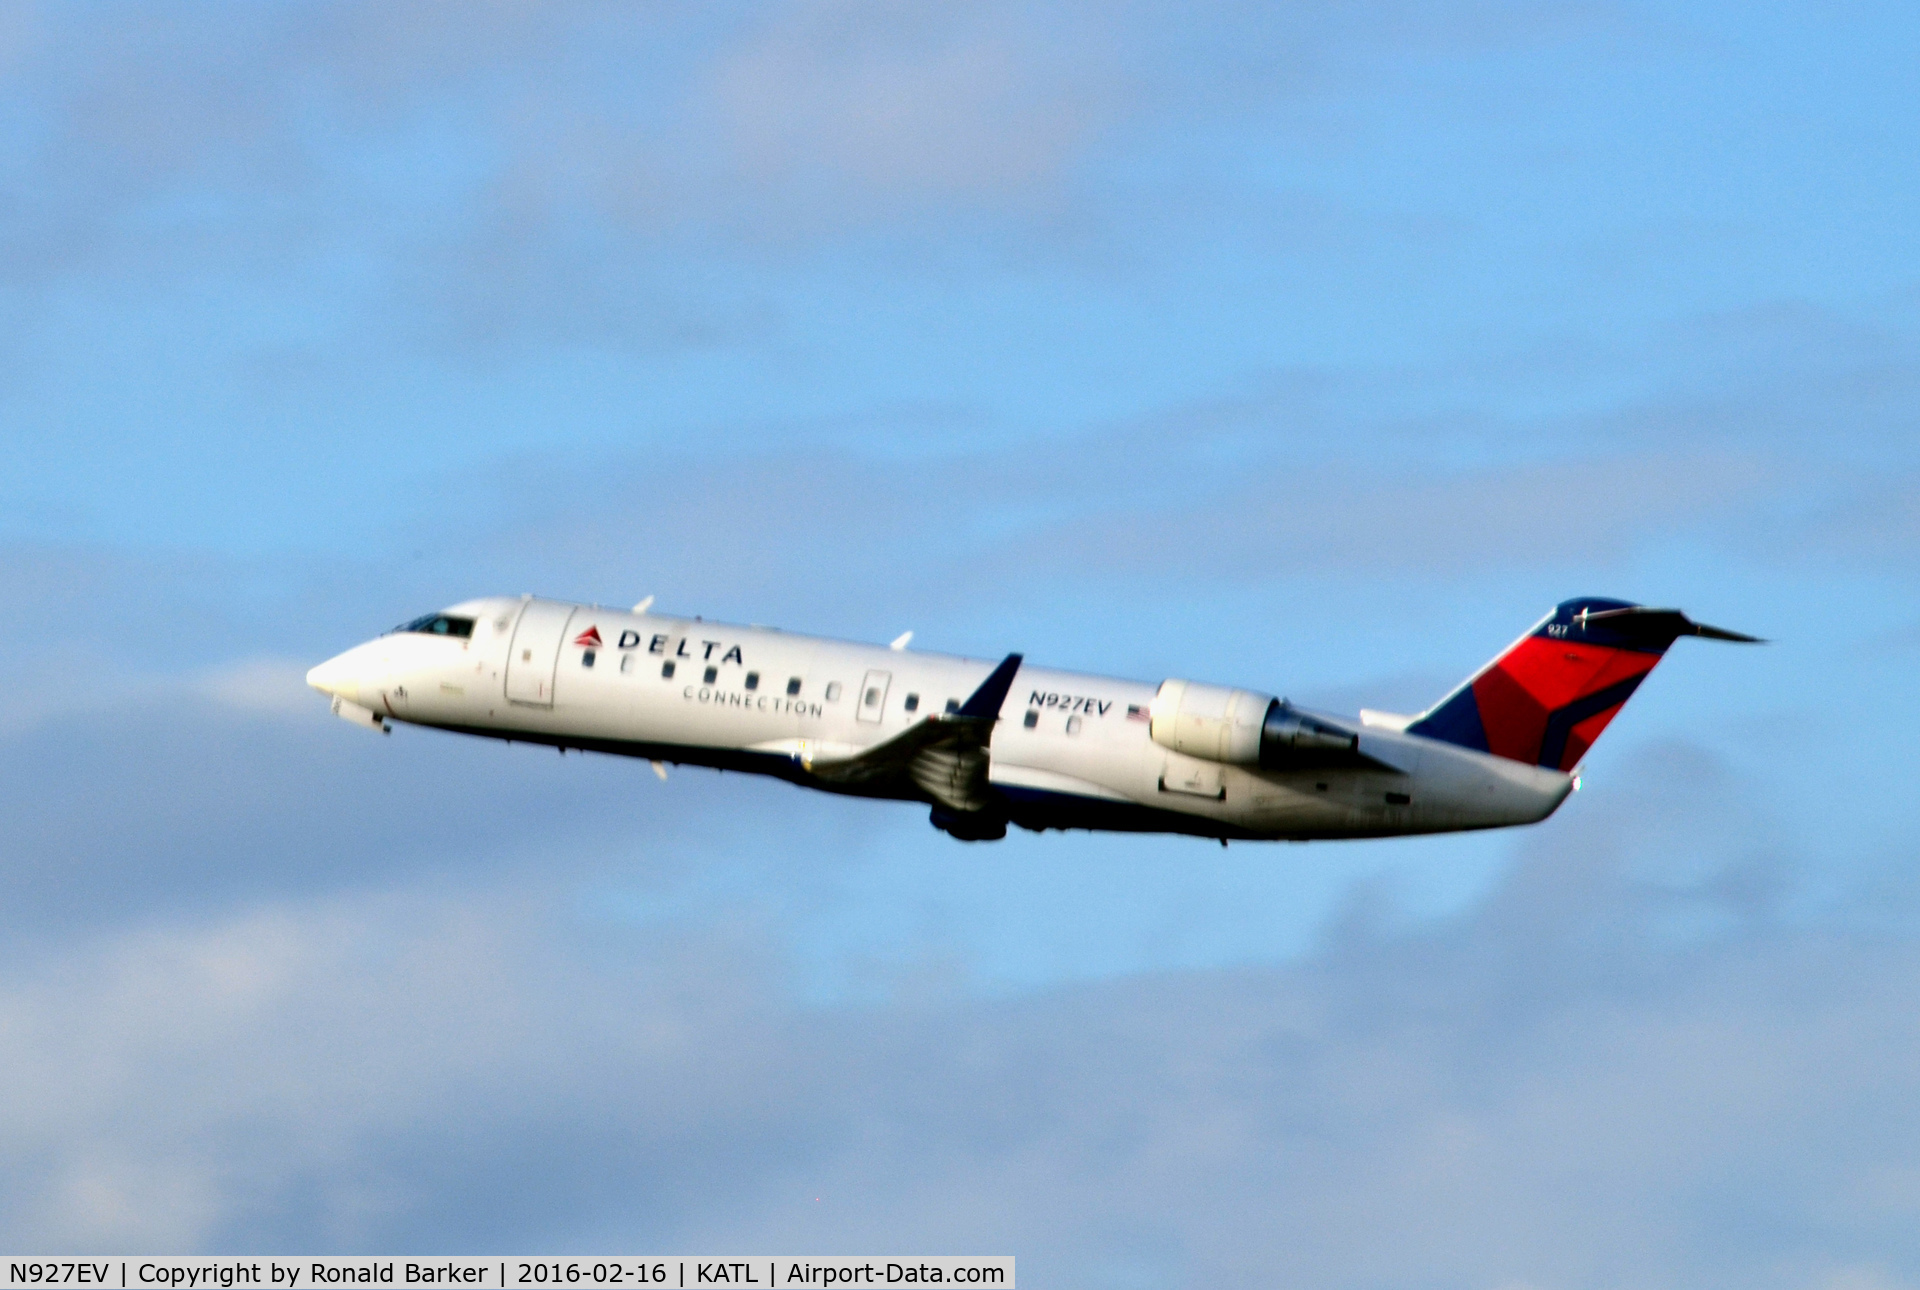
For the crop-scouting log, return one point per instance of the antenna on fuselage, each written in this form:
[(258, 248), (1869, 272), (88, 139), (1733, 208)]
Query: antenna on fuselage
[(643, 606), (900, 641)]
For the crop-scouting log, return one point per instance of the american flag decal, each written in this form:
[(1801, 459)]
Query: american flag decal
[(1137, 713)]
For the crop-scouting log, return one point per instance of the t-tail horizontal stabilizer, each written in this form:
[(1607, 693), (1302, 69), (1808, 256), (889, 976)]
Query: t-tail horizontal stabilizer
[(1547, 698), (1662, 625)]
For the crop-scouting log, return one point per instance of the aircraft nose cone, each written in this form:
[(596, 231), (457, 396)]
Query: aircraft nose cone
[(337, 676)]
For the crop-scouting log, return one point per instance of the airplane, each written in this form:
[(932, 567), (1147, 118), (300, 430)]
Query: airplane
[(988, 744)]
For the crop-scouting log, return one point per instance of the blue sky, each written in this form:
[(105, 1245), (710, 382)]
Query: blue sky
[(1315, 348)]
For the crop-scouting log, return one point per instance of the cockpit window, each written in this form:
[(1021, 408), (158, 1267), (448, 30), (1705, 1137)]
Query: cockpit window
[(439, 625)]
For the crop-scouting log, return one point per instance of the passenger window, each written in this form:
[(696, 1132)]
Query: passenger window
[(1073, 725), (1032, 719), (793, 685), (586, 659), (872, 699), (753, 680), (711, 675), (666, 669), (953, 705), (833, 691), (913, 703)]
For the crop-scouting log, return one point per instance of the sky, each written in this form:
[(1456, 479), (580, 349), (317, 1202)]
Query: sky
[(1316, 348)]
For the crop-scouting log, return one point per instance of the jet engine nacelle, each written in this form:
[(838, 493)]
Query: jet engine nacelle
[(1243, 728), (1209, 721)]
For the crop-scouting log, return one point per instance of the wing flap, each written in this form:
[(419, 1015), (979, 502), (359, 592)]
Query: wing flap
[(944, 757)]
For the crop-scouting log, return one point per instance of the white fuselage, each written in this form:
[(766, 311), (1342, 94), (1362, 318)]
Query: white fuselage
[(1070, 750)]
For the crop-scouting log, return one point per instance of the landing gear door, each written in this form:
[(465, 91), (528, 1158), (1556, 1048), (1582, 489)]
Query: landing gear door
[(535, 652), (873, 696)]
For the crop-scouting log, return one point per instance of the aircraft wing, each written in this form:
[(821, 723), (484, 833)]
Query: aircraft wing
[(945, 756)]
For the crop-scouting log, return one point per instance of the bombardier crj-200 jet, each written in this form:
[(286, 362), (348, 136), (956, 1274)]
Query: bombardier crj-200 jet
[(987, 745)]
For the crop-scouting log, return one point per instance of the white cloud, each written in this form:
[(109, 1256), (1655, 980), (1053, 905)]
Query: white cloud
[(984, 101), (1548, 1090), (556, 158), (265, 686)]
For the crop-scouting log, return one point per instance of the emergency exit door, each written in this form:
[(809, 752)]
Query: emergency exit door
[(536, 652), (873, 696)]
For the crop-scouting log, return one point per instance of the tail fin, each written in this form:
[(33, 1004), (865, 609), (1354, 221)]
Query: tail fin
[(1547, 698)]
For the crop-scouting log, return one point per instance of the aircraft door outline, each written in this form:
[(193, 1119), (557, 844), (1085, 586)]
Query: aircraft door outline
[(1190, 775), (873, 696), (534, 656)]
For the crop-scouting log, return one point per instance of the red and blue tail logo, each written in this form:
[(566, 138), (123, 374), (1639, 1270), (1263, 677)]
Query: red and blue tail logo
[(1550, 695)]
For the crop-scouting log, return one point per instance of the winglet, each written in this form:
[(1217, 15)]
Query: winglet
[(985, 702)]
